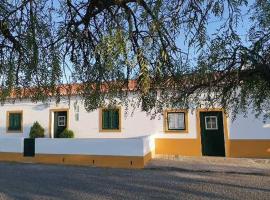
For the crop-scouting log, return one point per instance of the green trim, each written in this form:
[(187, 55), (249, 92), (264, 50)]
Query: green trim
[(110, 119), (15, 122)]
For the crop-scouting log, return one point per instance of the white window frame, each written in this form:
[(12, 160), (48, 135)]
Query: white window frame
[(211, 117), (61, 121), (168, 123)]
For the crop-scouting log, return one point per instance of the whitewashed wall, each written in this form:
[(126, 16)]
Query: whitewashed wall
[(138, 146), (191, 134), (31, 113), (138, 124), (11, 145), (249, 127)]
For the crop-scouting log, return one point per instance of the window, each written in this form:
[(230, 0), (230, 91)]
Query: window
[(176, 121), (14, 121), (61, 120), (211, 123), (110, 119)]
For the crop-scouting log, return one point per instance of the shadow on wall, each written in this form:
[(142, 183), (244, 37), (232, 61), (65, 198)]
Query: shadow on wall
[(40, 107)]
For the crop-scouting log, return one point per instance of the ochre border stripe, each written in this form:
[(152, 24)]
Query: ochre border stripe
[(250, 148), (184, 147), (89, 160)]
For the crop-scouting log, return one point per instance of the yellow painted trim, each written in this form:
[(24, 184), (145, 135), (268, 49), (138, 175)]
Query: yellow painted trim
[(250, 148), (225, 127), (190, 147), (183, 147), (50, 117), (11, 157), (93, 160), (110, 130), (148, 157), (136, 162), (165, 123), (7, 121)]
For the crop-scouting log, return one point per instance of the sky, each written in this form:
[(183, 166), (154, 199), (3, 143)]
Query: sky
[(242, 30)]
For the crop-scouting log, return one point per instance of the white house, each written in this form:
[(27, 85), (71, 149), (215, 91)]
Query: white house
[(109, 137)]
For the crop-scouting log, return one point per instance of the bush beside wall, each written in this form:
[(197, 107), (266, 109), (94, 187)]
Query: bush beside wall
[(67, 134), (36, 131)]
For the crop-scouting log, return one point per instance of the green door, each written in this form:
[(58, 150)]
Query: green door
[(29, 147), (60, 122), (212, 133)]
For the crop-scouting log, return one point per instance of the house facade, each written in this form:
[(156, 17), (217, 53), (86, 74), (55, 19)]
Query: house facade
[(113, 137)]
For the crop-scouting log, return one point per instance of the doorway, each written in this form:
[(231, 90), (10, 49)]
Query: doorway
[(59, 122), (212, 133)]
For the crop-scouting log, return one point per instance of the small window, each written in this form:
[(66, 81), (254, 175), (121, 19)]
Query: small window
[(14, 121), (110, 119), (211, 123), (61, 120), (176, 121)]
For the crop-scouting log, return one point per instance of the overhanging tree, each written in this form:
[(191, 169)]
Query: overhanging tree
[(106, 43)]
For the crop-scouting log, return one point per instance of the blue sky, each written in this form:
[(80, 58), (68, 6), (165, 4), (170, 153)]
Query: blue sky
[(214, 23), (243, 26)]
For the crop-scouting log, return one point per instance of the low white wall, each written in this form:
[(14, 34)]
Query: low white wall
[(148, 144), (11, 145), (138, 146)]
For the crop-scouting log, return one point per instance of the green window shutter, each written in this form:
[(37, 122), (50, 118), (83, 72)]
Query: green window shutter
[(15, 121), (10, 125), (105, 119), (115, 119), (110, 119)]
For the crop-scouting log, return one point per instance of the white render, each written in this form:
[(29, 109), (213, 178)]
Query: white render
[(249, 128), (136, 125), (139, 146), (11, 144)]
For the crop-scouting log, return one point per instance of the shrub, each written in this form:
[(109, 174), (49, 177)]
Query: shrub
[(36, 131), (67, 134)]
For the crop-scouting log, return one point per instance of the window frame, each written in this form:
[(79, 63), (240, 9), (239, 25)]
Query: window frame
[(166, 122), (8, 122), (101, 129), (60, 120), (205, 123)]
